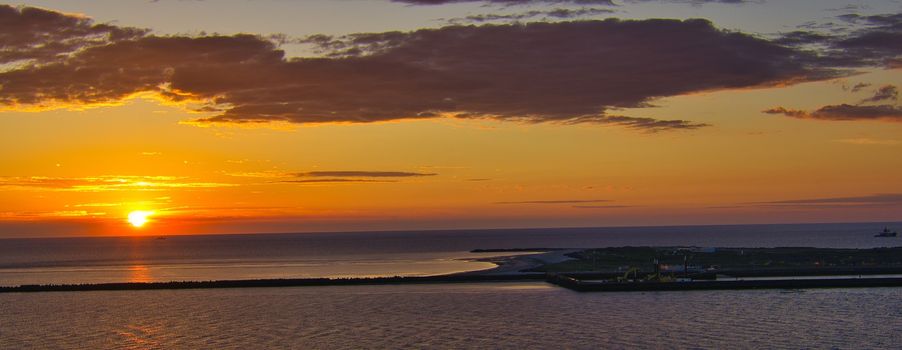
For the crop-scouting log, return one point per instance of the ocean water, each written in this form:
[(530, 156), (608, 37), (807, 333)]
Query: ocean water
[(522, 315), (218, 257), (452, 316)]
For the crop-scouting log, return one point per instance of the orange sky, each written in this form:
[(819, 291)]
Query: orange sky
[(79, 163)]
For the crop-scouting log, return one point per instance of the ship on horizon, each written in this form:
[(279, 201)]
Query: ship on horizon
[(886, 233)]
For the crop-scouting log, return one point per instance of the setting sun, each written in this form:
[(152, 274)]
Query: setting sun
[(139, 217)]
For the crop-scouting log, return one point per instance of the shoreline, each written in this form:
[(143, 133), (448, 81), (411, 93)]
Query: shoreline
[(531, 265), (518, 263), (508, 269)]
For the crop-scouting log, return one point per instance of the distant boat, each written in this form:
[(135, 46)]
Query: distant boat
[(886, 233)]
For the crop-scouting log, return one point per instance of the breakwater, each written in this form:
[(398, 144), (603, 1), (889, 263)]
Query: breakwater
[(265, 283), (632, 286)]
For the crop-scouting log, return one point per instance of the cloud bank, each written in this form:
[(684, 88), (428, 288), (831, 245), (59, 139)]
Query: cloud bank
[(579, 72)]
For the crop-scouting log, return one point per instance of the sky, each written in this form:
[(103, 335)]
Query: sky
[(347, 115)]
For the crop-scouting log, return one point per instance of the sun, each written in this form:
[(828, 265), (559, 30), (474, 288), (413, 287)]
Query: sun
[(139, 217)]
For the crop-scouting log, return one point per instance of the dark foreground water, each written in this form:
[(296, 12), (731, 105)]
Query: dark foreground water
[(490, 315), (179, 258)]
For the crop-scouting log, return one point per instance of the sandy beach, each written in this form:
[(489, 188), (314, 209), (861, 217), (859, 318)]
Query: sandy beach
[(516, 264)]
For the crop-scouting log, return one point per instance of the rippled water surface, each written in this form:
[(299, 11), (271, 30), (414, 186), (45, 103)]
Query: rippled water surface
[(490, 315)]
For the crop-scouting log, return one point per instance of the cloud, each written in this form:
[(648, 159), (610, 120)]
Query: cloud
[(876, 199), (802, 37), (20, 215), (577, 2), (106, 183), (32, 35), (884, 93), (578, 72), (646, 124), (509, 2), (357, 173), (336, 180), (844, 112), (874, 40), (352, 176), (602, 206), (565, 201), (869, 141), (566, 72), (560, 13), (859, 86)]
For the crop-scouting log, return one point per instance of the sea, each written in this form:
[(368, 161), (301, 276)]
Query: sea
[(465, 315)]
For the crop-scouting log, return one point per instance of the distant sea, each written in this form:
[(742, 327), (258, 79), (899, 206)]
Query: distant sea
[(362, 254)]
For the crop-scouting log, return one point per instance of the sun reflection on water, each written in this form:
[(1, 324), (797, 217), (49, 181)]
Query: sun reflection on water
[(139, 274)]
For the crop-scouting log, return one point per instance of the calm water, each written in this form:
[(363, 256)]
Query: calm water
[(497, 315), (143, 259), (478, 315)]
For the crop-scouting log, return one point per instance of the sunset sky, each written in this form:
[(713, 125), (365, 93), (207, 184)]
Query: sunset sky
[(332, 115)]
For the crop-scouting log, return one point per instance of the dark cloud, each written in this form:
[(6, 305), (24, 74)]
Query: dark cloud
[(879, 46), (578, 2), (844, 112), (859, 86), (337, 180), (355, 173), (884, 93), (803, 37), (876, 199), (555, 14), (602, 206), (111, 72), (351, 176), (874, 40), (697, 2), (563, 72), (509, 2), (646, 124), (572, 72), (564, 201), (31, 35), (883, 20)]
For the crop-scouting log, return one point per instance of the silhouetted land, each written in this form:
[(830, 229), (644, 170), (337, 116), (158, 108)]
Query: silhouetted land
[(506, 250), (734, 260), (604, 269), (633, 286)]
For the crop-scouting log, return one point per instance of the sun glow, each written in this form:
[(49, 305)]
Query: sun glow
[(139, 217)]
